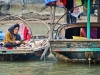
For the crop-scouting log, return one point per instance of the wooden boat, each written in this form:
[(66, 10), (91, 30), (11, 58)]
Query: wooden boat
[(68, 46), (33, 52), (77, 49)]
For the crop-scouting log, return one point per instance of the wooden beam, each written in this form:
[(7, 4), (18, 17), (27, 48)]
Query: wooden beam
[(98, 11)]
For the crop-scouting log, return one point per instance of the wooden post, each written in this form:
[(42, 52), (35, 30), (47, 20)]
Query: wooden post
[(65, 15), (54, 13), (98, 11), (51, 26), (88, 20)]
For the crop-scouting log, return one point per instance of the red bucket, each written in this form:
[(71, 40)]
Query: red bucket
[(10, 48)]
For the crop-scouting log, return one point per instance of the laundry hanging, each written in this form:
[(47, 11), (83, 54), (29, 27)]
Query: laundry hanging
[(26, 34), (60, 3), (48, 2), (77, 11), (69, 5), (79, 3)]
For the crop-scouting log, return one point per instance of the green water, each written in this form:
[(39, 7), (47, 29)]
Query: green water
[(50, 67)]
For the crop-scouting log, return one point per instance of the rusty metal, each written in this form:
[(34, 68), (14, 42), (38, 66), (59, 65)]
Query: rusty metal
[(89, 54)]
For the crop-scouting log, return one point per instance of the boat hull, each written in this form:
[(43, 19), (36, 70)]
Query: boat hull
[(76, 50), (36, 55), (77, 56)]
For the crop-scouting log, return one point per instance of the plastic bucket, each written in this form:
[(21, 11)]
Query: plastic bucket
[(78, 37)]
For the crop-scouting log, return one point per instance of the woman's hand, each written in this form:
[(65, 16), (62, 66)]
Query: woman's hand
[(17, 42), (25, 42)]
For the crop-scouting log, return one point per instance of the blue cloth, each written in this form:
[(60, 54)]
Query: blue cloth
[(49, 1), (2, 36)]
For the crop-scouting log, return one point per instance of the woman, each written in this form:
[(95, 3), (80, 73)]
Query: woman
[(12, 38)]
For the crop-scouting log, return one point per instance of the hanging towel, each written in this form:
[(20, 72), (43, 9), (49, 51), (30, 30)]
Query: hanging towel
[(79, 2), (77, 11), (61, 3), (64, 2), (26, 34), (21, 30)]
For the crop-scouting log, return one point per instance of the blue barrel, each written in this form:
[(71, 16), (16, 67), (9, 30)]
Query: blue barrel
[(2, 36), (0, 31)]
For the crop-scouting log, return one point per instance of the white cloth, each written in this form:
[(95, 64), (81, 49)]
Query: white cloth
[(77, 11)]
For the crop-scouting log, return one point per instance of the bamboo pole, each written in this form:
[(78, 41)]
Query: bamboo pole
[(88, 20), (65, 15)]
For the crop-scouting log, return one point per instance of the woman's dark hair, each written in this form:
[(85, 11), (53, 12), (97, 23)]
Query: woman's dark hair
[(11, 29), (16, 25)]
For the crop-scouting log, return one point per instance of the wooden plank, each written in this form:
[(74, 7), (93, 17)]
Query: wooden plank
[(75, 40), (20, 50), (75, 44), (76, 49)]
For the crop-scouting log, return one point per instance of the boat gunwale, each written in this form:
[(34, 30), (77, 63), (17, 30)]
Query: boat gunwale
[(74, 40)]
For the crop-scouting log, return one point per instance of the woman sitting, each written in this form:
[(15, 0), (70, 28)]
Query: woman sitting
[(12, 38)]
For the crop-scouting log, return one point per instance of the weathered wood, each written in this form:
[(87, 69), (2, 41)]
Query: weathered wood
[(51, 26), (98, 11), (20, 50), (74, 40)]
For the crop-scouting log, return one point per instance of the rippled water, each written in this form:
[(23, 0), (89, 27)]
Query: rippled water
[(49, 67)]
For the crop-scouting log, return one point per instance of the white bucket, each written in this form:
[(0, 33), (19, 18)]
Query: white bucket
[(32, 45)]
